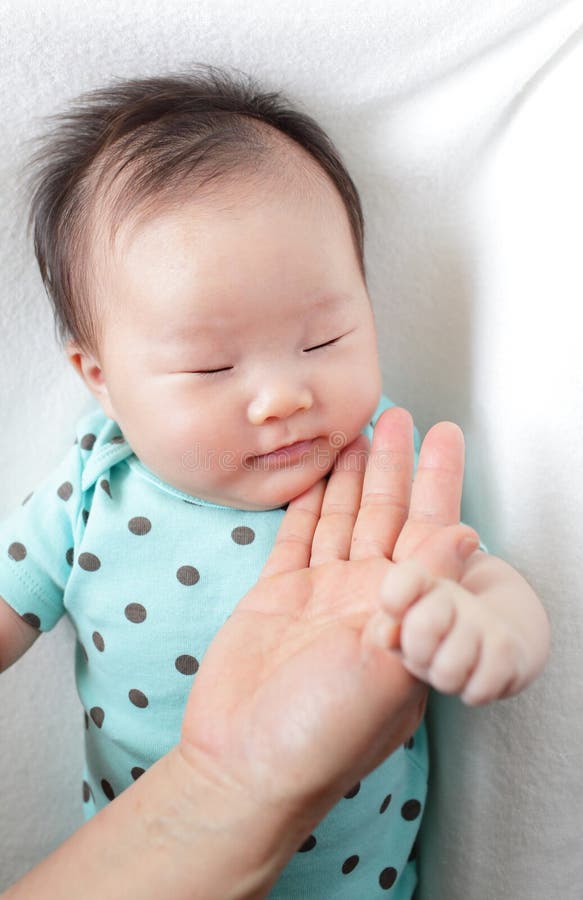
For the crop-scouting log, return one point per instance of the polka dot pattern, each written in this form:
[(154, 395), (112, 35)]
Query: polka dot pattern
[(410, 810), (17, 551), (89, 562), (87, 441), (188, 575), (98, 641), (32, 619), (308, 844), (385, 803), (97, 715), (387, 878), (350, 864), (139, 525), (187, 665), (243, 535), (104, 485), (107, 789), (65, 490), (353, 791), (138, 698), (135, 612)]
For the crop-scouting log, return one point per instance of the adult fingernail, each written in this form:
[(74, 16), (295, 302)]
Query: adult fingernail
[(466, 547)]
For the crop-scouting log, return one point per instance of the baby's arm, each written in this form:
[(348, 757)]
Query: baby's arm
[(16, 635), (486, 637)]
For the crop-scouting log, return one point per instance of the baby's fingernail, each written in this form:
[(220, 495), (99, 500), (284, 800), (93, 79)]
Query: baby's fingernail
[(466, 547)]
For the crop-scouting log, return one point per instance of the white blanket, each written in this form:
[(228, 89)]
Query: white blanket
[(460, 121)]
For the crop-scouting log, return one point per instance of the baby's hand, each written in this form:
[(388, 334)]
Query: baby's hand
[(447, 637)]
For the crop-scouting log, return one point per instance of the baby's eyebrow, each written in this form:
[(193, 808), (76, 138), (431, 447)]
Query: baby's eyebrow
[(206, 328)]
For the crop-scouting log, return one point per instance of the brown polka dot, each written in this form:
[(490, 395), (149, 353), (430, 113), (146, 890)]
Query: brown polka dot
[(243, 535), (118, 439), (98, 641), (69, 556), (65, 490), (350, 864), (186, 664), (104, 483), (385, 803), (87, 441), (107, 789), (26, 499), (387, 878), (139, 525), (187, 575), (85, 515), (410, 810), (138, 698), (308, 844), (408, 745), (87, 793), (97, 715), (135, 612), (32, 619), (136, 772), (17, 551), (353, 791), (89, 562)]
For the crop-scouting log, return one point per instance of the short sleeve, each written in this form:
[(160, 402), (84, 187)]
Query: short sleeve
[(36, 545)]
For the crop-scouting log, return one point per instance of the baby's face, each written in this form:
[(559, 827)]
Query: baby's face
[(234, 328)]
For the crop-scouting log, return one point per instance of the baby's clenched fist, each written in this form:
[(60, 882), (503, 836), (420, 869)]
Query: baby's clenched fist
[(447, 637)]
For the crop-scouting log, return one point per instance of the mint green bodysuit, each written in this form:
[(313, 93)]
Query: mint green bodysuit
[(147, 575)]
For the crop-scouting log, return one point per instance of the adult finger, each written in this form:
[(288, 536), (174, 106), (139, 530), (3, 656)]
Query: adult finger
[(437, 488), (293, 544), (386, 489), (340, 504)]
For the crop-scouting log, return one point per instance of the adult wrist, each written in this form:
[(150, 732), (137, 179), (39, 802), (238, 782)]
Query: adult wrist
[(249, 838)]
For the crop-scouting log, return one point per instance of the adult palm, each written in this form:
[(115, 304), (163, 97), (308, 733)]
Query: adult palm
[(287, 700)]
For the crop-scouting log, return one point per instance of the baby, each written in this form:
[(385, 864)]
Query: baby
[(202, 245)]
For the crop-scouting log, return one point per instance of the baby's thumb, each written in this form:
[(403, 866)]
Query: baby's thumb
[(445, 551)]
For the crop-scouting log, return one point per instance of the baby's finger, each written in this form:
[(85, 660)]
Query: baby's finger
[(497, 672), (456, 657), (426, 625), (293, 543), (403, 585), (341, 504)]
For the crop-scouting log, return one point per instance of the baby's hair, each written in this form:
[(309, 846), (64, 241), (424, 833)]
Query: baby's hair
[(139, 143)]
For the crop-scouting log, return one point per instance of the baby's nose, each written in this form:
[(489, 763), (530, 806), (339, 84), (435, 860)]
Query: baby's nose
[(278, 401)]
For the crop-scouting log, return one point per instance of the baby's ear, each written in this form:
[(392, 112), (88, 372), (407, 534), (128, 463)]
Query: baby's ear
[(89, 370)]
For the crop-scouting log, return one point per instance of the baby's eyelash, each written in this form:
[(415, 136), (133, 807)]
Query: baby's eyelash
[(326, 344), (213, 371), (228, 368)]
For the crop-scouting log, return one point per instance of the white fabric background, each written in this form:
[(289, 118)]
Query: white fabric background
[(460, 122)]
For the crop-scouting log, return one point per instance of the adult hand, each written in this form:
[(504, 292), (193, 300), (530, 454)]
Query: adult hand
[(289, 708), (287, 700)]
